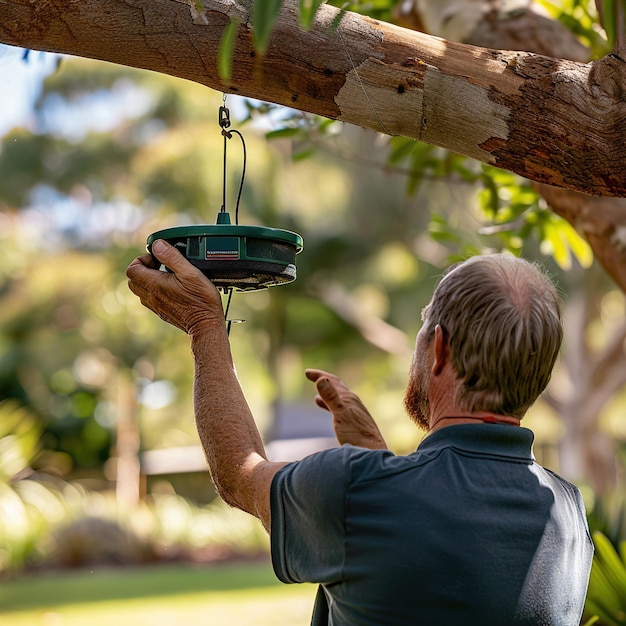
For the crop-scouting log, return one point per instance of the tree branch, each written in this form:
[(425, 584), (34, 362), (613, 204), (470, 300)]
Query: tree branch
[(611, 360), (598, 397), (615, 25), (550, 120), (373, 329)]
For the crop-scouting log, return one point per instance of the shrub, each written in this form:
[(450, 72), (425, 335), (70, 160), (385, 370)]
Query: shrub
[(606, 597)]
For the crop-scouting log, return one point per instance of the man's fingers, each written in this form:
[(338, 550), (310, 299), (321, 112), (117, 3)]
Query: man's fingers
[(167, 254), (351, 420), (329, 389), (320, 403), (181, 268), (313, 374), (172, 258), (317, 375), (138, 266), (135, 288), (327, 396), (146, 260), (328, 393)]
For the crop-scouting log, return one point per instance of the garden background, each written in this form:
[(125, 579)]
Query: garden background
[(105, 504)]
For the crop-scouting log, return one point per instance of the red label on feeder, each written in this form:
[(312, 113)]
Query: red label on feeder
[(217, 255), (222, 248)]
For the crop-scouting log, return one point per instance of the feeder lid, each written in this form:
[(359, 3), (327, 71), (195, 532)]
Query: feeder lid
[(245, 258)]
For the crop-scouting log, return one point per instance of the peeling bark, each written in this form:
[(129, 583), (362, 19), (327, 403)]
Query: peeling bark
[(553, 121)]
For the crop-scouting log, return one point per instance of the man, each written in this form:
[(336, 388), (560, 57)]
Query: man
[(468, 529)]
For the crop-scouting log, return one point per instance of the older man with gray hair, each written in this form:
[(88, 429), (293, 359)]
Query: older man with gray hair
[(468, 529)]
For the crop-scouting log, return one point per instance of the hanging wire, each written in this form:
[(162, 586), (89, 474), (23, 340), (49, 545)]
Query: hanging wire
[(224, 122), (229, 297), (243, 174)]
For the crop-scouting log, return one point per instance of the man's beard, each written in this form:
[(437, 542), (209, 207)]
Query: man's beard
[(416, 400)]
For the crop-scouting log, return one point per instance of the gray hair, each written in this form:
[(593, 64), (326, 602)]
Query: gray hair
[(502, 317)]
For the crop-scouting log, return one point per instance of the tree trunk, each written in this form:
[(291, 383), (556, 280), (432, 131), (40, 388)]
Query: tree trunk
[(586, 451), (127, 445), (550, 120)]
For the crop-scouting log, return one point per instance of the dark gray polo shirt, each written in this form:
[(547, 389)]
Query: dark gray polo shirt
[(466, 530)]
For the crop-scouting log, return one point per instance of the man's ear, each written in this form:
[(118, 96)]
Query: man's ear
[(441, 350)]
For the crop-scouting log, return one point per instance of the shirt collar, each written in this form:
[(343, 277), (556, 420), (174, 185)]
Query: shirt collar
[(491, 439)]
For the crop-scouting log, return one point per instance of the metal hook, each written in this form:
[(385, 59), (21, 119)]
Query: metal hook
[(224, 117)]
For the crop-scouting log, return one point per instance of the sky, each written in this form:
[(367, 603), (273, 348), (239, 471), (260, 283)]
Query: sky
[(22, 80), (20, 84)]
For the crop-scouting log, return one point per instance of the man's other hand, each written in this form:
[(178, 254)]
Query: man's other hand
[(352, 421)]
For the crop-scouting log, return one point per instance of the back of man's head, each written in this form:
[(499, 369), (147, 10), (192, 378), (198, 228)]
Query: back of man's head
[(502, 318)]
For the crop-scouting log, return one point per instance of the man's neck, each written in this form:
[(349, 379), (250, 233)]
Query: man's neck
[(480, 417), (444, 410)]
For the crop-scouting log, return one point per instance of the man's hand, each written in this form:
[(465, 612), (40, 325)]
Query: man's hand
[(352, 421), (184, 297)]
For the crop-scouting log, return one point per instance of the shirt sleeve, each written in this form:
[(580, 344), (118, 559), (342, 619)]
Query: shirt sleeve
[(308, 501)]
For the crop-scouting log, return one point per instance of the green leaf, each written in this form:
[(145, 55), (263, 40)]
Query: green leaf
[(605, 600), (281, 133), (401, 148), (462, 167), (554, 238), (339, 17), (308, 9), (580, 248), (301, 155), (490, 197), (614, 568), (263, 18), (609, 22), (622, 551), (227, 46)]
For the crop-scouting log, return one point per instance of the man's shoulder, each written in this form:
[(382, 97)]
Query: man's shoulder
[(560, 484), (342, 466), (344, 456)]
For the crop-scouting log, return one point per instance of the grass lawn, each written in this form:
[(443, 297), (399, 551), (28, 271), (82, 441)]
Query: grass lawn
[(163, 595)]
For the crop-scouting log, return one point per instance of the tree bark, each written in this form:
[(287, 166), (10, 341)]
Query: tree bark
[(551, 120), (601, 221)]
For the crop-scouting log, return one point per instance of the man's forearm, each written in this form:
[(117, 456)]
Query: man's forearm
[(227, 430)]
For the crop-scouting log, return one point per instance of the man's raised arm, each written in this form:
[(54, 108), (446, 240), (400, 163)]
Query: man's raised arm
[(185, 298)]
